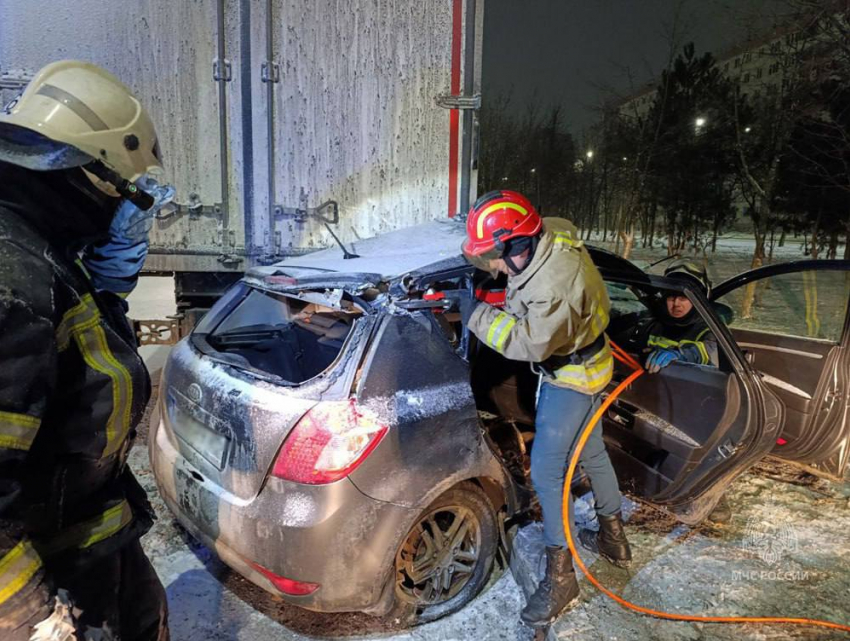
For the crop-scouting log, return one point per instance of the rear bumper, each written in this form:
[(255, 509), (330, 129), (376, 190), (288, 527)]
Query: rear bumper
[(332, 535)]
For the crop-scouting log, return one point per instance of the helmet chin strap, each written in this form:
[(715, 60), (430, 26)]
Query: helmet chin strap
[(512, 265)]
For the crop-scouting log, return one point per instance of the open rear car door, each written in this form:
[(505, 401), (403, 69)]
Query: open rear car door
[(678, 438), (791, 322)]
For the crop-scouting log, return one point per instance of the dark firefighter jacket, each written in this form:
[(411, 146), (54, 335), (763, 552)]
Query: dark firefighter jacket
[(556, 306), (692, 339), (72, 389)]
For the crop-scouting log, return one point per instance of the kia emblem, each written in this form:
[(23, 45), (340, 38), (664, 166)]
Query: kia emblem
[(195, 393)]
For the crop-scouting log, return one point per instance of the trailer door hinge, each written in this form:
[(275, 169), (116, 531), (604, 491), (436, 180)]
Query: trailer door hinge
[(327, 212), (222, 72), (449, 101), (270, 72)]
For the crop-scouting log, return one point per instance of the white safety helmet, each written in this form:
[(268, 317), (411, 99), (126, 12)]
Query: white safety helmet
[(73, 113)]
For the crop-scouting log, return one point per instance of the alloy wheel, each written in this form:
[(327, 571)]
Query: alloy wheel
[(439, 556)]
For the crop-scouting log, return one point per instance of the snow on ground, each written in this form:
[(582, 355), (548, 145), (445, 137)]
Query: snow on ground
[(785, 553)]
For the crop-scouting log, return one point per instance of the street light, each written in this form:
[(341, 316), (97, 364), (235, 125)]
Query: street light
[(589, 154), (700, 122), (747, 130), (504, 179), (534, 172)]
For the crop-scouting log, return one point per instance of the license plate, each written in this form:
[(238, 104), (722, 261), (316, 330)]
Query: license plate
[(195, 427), (188, 492)]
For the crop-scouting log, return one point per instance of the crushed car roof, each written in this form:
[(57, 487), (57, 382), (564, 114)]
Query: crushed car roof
[(388, 255)]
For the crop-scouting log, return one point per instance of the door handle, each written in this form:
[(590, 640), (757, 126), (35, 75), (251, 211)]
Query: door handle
[(621, 416)]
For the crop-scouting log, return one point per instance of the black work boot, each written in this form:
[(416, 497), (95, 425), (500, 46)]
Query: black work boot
[(610, 542), (557, 592)]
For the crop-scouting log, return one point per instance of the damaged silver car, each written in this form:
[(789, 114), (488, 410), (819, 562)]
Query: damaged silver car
[(335, 434)]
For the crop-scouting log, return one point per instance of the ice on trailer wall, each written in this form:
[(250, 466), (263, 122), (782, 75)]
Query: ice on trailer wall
[(355, 115)]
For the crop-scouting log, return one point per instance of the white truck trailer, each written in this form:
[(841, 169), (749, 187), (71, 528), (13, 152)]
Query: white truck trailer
[(282, 122)]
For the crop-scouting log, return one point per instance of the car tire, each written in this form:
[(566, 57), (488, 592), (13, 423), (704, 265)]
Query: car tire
[(450, 590)]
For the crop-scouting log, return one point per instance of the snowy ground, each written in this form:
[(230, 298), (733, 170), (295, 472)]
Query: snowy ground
[(786, 552)]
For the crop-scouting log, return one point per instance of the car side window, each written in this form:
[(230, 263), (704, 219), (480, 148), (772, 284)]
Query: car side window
[(628, 313), (806, 304)]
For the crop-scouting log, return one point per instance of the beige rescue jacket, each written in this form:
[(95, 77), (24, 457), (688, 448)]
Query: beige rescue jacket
[(556, 306)]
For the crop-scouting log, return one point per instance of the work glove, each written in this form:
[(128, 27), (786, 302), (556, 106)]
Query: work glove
[(114, 264), (61, 625), (660, 359)]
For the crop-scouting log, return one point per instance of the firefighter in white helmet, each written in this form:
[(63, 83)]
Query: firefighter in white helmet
[(78, 191)]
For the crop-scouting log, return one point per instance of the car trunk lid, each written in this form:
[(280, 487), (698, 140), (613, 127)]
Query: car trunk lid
[(235, 389), (228, 428)]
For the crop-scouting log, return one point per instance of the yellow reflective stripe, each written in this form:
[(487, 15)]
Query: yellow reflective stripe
[(17, 431), (17, 567), (703, 352), (504, 333), (82, 322), (660, 341), (589, 377), (599, 319), (491, 333), (522, 210), (563, 238), (97, 355), (77, 319), (499, 330), (91, 531), (703, 333)]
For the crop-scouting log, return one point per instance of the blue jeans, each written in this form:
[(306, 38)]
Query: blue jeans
[(561, 417)]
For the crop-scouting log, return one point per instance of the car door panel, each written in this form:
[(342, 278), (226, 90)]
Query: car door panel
[(680, 436), (795, 334), (792, 366)]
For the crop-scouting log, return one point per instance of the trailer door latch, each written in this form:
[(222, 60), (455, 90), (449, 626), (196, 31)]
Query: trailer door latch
[(270, 72), (449, 101), (222, 70)]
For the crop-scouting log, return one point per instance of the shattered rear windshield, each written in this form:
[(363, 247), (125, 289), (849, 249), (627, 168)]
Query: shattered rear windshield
[(290, 338)]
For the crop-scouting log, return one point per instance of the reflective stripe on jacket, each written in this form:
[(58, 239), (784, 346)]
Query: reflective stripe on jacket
[(695, 343), (693, 351), (72, 390), (556, 306)]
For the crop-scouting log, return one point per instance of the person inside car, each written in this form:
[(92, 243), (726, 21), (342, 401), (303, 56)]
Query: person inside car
[(678, 333)]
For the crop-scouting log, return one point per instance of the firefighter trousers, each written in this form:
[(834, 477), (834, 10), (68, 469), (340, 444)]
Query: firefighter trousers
[(121, 591), (561, 416)]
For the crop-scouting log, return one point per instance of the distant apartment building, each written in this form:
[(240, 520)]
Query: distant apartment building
[(757, 67)]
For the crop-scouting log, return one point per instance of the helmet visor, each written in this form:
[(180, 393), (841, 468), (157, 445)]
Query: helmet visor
[(482, 262), (31, 150)]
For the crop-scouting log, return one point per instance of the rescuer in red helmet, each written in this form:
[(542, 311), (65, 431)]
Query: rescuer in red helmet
[(555, 315)]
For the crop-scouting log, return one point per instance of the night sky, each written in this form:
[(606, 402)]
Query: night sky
[(574, 52)]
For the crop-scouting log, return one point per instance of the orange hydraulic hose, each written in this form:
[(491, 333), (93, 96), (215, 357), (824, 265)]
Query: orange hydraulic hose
[(672, 616)]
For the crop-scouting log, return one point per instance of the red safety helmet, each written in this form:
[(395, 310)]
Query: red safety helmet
[(497, 217)]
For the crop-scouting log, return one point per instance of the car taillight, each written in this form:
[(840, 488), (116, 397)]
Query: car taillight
[(287, 586), (328, 443)]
